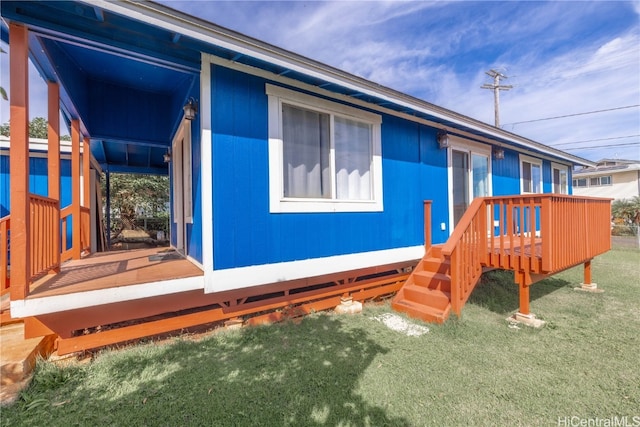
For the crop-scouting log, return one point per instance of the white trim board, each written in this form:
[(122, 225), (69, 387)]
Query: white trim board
[(57, 303), (243, 277)]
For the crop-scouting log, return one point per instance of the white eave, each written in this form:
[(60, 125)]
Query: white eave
[(204, 31)]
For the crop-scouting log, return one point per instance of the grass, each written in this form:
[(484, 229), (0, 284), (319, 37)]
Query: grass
[(353, 371)]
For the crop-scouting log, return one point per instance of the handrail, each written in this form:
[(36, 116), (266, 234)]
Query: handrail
[(535, 234), (465, 249), (43, 221), (5, 231)]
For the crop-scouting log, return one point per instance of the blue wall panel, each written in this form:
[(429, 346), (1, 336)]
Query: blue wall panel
[(38, 181), (506, 174), (245, 233), (4, 186)]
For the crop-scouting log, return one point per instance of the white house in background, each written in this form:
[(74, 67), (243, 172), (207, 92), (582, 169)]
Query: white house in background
[(618, 179)]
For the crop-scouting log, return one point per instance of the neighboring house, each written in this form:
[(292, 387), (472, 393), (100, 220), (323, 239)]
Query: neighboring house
[(39, 184), (614, 178), (293, 183)]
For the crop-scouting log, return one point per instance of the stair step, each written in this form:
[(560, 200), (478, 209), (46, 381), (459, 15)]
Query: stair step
[(432, 280), (437, 265), (426, 296), (436, 251), (420, 311)]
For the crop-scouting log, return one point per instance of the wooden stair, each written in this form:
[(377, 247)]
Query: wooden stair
[(426, 294)]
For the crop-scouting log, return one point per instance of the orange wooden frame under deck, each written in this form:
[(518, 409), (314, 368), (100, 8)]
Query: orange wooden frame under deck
[(130, 320)]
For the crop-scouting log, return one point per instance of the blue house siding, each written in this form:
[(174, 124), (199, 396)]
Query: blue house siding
[(506, 174), (246, 233), (38, 181)]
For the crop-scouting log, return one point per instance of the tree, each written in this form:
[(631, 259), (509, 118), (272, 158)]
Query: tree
[(131, 194), (38, 128)]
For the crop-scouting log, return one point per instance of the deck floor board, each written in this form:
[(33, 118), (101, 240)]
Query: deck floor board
[(114, 269)]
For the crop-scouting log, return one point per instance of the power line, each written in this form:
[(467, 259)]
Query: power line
[(575, 114), (594, 140), (594, 147)]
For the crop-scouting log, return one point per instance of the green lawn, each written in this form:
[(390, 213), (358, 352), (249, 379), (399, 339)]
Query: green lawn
[(333, 370)]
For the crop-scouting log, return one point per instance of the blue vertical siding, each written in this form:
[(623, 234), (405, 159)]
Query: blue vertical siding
[(4, 186), (506, 174), (38, 181), (246, 233)]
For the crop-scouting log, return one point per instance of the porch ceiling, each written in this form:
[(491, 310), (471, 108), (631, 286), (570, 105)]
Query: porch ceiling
[(125, 81)]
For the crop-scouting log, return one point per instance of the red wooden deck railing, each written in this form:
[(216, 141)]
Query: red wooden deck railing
[(65, 253), (85, 229), (45, 214), (533, 234), (5, 225)]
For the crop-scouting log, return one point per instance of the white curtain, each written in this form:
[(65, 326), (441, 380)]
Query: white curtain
[(306, 153), (353, 159), (480, 165)]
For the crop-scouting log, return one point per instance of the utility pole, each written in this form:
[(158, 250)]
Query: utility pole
[(497, 87)]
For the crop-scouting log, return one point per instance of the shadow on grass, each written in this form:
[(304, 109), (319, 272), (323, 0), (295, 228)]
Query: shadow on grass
[(287, 374), (498, 292)]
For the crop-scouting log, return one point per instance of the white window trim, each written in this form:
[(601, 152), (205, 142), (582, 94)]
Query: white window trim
[(533, 161), (560, 167), (277, 202), (182, 165), (470, 147)]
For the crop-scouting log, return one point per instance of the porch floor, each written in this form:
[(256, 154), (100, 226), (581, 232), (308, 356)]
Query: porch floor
[(107, 270)]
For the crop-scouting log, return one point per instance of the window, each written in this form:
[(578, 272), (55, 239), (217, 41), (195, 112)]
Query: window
[(530, 175), (600, 180), (580, 182), (560, 178), (323, 156)]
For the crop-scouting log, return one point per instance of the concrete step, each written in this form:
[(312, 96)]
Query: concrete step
[(18, 355)]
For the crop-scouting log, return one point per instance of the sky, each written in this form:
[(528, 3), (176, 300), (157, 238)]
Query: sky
[(563, 58)]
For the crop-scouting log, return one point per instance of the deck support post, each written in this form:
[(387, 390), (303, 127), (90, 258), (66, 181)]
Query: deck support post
[(588, 285), (524, 315), (53, 162), (75, 189), (19, 161), (108, 196)]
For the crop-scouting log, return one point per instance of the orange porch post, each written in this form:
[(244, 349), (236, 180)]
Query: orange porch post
[(427, 225), (19, 161), (53, 162), (75, 188)]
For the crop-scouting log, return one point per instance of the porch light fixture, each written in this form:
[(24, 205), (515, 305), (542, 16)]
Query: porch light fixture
[(498, 153), (443, 139), (190, 109), (167, 157)]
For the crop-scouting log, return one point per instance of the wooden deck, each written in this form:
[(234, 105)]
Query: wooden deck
[(114, 269)]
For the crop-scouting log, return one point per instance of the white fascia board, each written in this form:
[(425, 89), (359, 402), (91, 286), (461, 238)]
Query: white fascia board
[(54, 304), (596, 172), (256, 275), (207, 32)]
